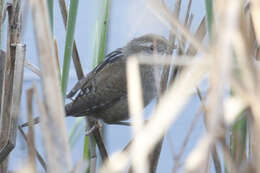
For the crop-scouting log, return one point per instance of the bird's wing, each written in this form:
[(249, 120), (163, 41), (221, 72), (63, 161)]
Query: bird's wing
[(106, 85), (78, 85), (108, 59)]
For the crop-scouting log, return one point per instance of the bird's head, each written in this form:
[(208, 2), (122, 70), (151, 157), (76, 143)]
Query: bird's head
[(149, 44)]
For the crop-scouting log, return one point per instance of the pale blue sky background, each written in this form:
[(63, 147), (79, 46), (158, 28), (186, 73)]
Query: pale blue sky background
[(128, 19)]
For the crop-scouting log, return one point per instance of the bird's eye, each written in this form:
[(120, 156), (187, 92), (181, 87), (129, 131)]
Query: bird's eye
[(151, 48)]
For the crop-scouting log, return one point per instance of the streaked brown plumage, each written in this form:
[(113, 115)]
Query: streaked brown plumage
[(103, 93)]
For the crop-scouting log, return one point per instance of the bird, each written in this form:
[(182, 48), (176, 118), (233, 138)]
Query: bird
[(102, 93)]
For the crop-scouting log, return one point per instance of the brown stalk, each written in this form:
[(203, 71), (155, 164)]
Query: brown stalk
[(12, 107), (2, 16), (31, 150), (75, 54), (3, 164), (12, 82)]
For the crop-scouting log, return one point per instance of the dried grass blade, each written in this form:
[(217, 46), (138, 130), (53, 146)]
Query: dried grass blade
[(135, 102), (187, 17), (255, 12), (200, 34), (176, 13), (52, 112), (31, 148), (188, 13), (33, 68)]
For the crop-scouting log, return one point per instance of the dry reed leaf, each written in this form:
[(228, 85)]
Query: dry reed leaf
[(199, 34), (186, 20), (134, 90), (255, 12), (116, 163), (31, 147), (222, 61), (33, 68), (184, 60), (176, 13), (27, 168), (233, 106), (52, 112)]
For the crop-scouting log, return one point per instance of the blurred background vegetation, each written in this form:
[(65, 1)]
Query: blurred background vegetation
[(209, 123)]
